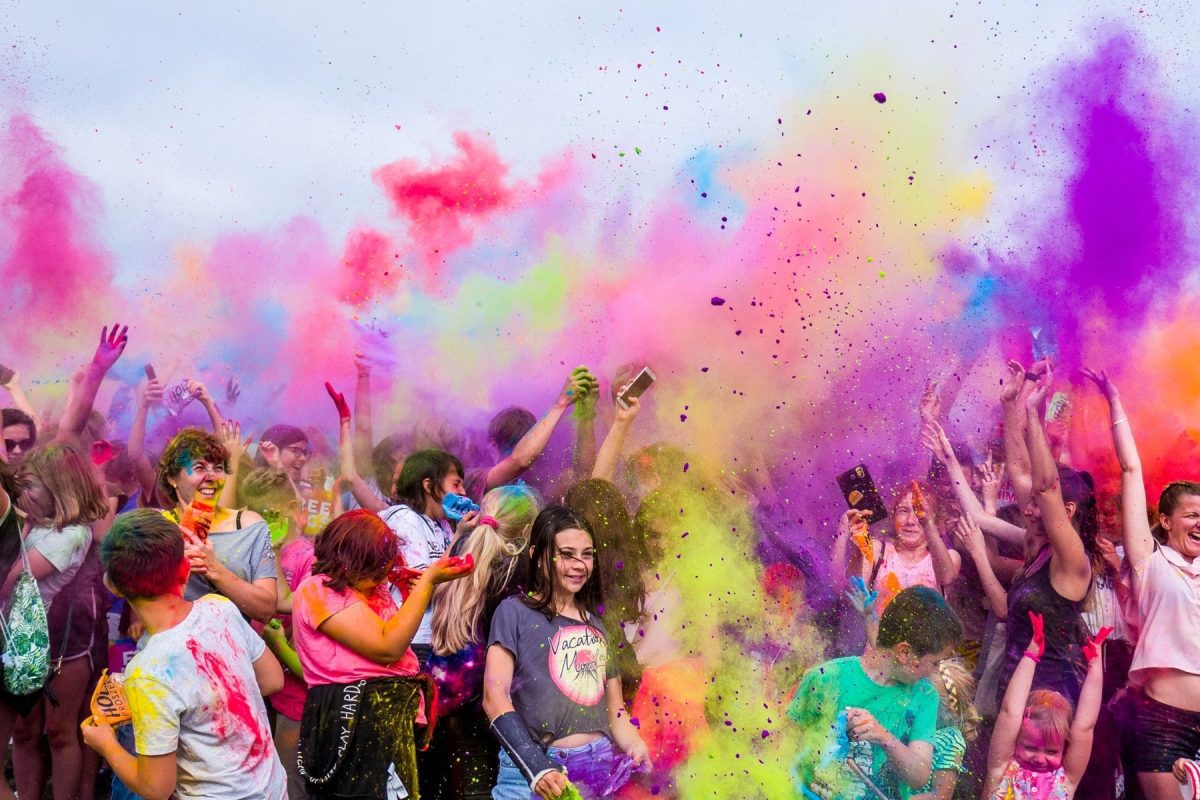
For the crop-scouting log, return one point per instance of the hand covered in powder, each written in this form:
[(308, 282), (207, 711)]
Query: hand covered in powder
[(1091, 648), (112, 345), (860, 598), (339, 401), (1037, 644)]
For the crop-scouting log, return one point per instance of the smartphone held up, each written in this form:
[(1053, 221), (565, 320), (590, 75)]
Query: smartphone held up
[(637, 387)]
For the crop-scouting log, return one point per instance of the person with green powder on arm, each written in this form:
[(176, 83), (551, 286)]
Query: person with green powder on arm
[(873, 717)]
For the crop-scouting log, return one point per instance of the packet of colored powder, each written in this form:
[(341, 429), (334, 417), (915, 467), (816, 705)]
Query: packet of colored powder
[(108, 701)]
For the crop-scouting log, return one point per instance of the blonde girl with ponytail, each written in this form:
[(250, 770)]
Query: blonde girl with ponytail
[(462, 759), (957, 726)]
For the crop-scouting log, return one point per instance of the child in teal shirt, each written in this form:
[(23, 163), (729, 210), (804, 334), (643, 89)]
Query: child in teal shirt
[(876, 710)]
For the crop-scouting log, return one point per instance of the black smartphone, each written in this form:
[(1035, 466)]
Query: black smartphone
[(6, 374), (644, 380), (859, 490), (150, 372)]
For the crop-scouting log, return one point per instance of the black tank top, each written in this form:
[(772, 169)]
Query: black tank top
[(1062, 666)]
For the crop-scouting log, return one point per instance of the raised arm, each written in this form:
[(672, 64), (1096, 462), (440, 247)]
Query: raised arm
[(1070, 561), (1079, 746), (610, 452), (970, 539), (583, 450), (230, 433), (934, 438), (1016, 454), (846, 562), (75, 417), (347, 465), (1012, 708), (533, 443), (201, 393), (363, 435), (147, 476), (20, 400), (946, 562), (1139, 543)]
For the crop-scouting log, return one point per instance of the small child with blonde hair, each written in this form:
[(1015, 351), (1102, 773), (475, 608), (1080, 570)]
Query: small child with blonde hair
[(957, 725), (1038, 752)]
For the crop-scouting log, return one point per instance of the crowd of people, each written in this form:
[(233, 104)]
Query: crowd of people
[(289, 616)]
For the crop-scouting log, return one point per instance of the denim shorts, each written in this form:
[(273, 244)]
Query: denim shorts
[(597, 769)]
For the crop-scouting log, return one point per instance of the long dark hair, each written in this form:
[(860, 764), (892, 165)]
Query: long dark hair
[(1079, 488), (540, 582), (620, 556)]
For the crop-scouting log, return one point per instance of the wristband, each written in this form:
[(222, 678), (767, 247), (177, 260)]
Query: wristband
[(518, 742), (1034, 657), (1118, 422)]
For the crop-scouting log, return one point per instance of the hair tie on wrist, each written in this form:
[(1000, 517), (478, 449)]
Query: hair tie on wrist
[(1118, 422), (1034, 657), (489, 521)]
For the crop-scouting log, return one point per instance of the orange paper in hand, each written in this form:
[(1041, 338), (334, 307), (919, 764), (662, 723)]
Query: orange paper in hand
[(108, 701)]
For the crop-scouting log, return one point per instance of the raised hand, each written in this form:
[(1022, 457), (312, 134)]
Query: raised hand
[(152, 392), (1091, 648), (112, 345), (931, 402), (339, 400), (1036, 399), (862, 599), (1014, 379), (627, 414), (1102, 381), (1037, 644), (968, 535), (934, 439), (199, 391), (270, 454), (991, 478), (576, 386), (232, 390), (918, 501), (231, 436)]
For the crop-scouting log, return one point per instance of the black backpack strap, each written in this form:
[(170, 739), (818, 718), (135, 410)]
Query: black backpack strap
[(877, 565)]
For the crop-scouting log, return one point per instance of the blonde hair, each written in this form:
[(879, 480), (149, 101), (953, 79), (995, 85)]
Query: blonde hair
[(458, 605), (72, 482), (1050, 713), (960, 689)]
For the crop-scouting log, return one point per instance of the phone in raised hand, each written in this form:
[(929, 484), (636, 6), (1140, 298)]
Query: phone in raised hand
[(644, 380)]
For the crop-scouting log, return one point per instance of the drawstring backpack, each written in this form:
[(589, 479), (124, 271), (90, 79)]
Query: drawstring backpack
[(26, 653)]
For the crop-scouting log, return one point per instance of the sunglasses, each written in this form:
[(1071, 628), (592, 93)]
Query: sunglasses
[(13, 444)]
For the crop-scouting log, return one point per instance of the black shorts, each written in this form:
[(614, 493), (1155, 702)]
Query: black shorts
[(1162, 734)]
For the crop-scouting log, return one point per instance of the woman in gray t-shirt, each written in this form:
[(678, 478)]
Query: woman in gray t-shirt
[(551, 690)]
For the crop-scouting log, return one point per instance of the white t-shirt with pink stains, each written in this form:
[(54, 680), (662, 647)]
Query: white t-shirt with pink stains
[(192, 692)]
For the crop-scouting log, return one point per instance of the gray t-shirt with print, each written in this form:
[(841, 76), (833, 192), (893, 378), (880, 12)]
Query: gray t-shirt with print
[(561, 669), (246, 552)]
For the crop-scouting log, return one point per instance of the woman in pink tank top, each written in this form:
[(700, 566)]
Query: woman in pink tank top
[(911, 552)]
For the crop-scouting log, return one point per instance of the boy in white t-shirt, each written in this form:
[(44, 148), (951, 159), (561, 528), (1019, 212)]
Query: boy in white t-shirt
[(195, 691)]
